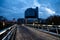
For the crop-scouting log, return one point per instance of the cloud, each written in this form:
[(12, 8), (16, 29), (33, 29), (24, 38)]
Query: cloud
[(18, 7), (49, 11), (36, 4)]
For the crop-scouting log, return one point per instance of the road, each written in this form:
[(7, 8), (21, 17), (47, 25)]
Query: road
[(27, 33)]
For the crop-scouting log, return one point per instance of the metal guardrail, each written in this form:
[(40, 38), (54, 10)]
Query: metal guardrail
[(9, 34), (47, 28)]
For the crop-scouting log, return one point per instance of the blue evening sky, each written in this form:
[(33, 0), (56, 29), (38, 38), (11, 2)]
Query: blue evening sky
[(16, 8)]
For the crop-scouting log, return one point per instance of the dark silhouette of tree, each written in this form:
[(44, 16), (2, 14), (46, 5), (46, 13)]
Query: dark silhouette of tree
[(2, 20), (53, 19)]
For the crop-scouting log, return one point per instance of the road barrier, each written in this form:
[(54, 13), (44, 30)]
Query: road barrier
[(51, 29), (11, 29)]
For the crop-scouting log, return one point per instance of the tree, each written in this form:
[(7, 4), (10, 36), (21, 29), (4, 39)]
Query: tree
[(53, 19), (2, 22), (2, 18)]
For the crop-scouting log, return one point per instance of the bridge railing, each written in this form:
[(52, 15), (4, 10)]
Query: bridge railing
[(8, 32), (52, 29)]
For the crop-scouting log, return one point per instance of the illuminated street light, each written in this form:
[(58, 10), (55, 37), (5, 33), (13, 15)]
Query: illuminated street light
[(3, 23)]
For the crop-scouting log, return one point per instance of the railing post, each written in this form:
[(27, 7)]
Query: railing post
[(48, 28), (56, 29), (42, 27)]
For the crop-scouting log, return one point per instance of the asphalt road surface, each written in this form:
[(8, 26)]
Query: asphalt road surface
[(27, 33)]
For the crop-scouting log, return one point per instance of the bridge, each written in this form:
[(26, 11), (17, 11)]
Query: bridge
[(25, 32)]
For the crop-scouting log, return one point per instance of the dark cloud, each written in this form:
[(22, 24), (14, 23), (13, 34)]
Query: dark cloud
[(17, 7)]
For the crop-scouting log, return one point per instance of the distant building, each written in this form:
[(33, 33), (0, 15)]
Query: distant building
[(31, 15), (21, 20)]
